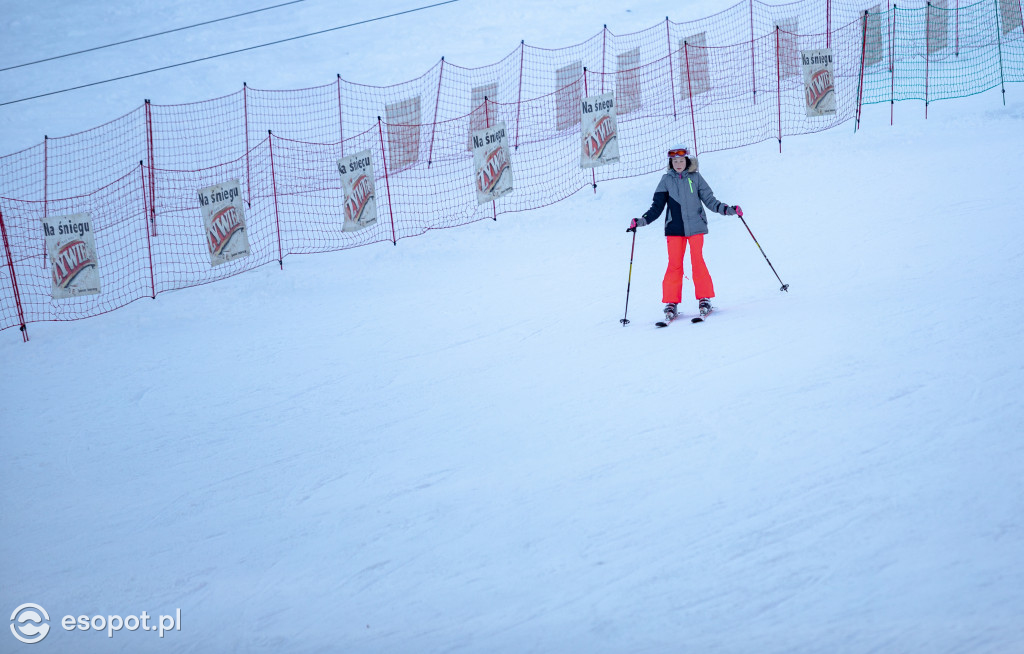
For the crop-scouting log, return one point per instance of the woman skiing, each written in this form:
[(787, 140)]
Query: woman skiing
[(686, 193)]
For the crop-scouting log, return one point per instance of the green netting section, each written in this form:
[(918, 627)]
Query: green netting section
[(941, 51)]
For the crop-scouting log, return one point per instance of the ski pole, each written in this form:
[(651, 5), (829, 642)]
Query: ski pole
[(629, 280), (785, 287)]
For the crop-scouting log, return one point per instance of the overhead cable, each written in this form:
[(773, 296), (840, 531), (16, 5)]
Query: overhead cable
[(224, 54)]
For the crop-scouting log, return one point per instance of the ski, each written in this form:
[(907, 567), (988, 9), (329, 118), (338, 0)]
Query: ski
[(701, 318), (666, 323)]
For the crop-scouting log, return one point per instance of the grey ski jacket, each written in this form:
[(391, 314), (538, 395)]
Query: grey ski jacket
[(686, 195)]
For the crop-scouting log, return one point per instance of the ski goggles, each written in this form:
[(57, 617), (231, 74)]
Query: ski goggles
[(677, 152)]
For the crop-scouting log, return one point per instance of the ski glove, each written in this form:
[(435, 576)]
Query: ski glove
[(739, 212), (636, 222)]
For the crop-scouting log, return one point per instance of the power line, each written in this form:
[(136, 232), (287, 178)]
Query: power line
[(224, 54), (149, 36)]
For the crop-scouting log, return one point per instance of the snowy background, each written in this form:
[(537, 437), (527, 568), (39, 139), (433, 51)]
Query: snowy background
[(453, 445)]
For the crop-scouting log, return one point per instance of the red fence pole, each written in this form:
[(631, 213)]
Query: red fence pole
[(46, 189), (46, 173), (753, 66), (245, 109), (522, 48), (14, 280), (437, 102), (152, 174), (487, 124), (671, 74), (604, 39), (927, 52), (387, 184), (341, 126), (828, 23), (689, 91), (892, 66), (778, 84), (273, 181), (860, 83), (149, 239), (999, 41), (956, 49), (892, 35), (593, 176)]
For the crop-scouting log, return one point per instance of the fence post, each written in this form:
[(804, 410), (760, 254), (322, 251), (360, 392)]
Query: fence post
[(46, 188), (927, 51), (46, 175), (387, 183), (956, 49), (522, 48), (437, 102), (604, 39), (778, 84), (689, 91), (487, 125), (593, 175), (152, 174), (14, 280), (999, 40), (892, 66), (149, 239), (273, 181), (753, 66), (891, 32), (341, 126), (671, 73), (245, 109), (860, 83), (828, 23)]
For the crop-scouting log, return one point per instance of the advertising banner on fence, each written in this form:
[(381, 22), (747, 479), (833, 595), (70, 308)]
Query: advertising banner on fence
[(627, 82), (360, 191), (224, 219), (568, 92), (694, 65), (1010, 15), (937, 25), (874, 48), (600, 131), (74, 267), (819, 84), (788, 53), (492, 167), (481, 116), (403, 119)]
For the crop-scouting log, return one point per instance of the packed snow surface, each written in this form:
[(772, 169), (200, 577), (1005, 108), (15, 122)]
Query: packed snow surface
[(453, 445)]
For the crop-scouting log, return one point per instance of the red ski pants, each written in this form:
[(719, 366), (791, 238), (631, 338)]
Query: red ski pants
[(672, 286)]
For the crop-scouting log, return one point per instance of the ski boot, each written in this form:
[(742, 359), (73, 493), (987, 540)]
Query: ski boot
[(704, 306)]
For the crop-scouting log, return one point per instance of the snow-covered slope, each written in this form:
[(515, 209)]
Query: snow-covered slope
[(453, 445)]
